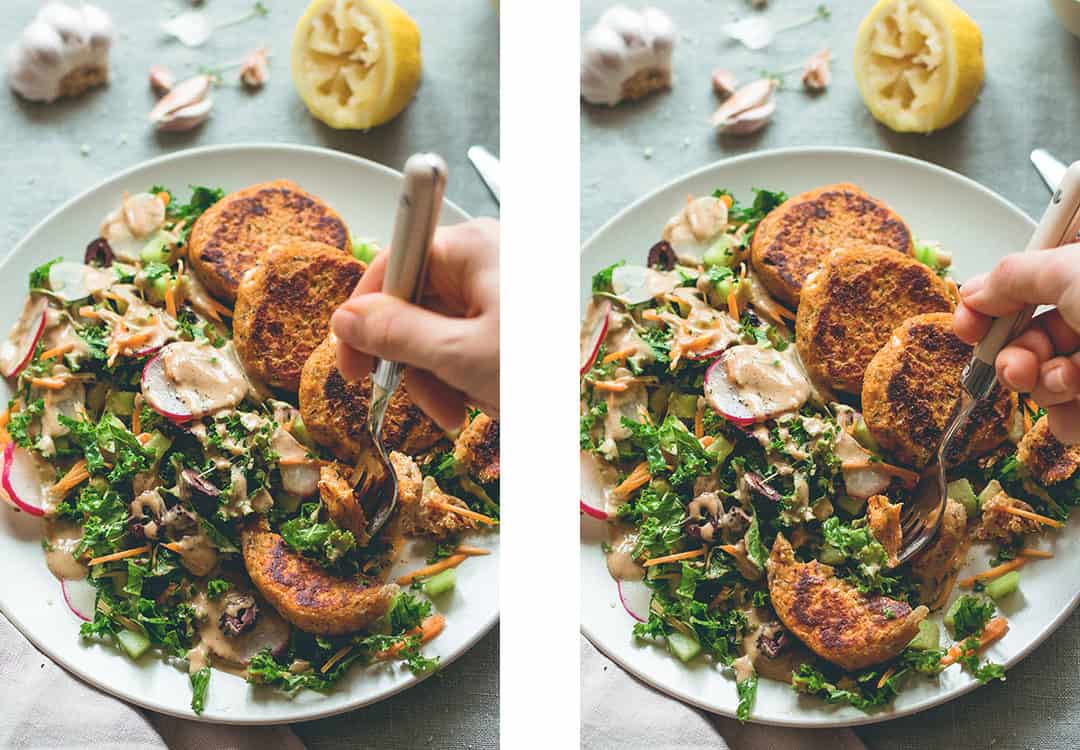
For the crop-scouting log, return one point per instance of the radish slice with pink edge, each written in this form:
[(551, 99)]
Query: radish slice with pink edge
[(592, 511), (301, 480), (724, 397), (18, 348), (72, 281), (22, 480), (80, 597), (637, 284), (749, 383), (593, 330), (160, 393), (633, 595)]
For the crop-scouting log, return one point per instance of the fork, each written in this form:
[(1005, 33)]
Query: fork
[(406, 269), (921, 517)]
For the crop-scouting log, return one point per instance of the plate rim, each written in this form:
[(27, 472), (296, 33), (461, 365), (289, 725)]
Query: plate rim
[(302, 714), (824, 151)]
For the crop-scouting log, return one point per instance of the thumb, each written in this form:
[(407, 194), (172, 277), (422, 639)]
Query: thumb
[(390, 328), (1042, 277)]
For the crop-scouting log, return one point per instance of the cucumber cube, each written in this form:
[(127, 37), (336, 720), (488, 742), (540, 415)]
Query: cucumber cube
[(440, 583), (1003, 586), (928, 637), (961, 491), (683, 647), (134, 644)]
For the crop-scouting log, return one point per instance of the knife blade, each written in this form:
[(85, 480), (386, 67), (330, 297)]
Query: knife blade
[(1049, 168), (488, 167)]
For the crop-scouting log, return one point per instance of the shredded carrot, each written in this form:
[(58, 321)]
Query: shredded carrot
[(698, 342), (300, 461), (52, 384), (338, 656), (427, 631), (75, 476), (885, 677), (733, 303), (163, 196), (5, 418), (707, 441), (1029, 515), (610, 386), (134, 339), (650, 315), (170, 299), (699, 420), (908, 477), (995, 630), (785, 313), (727, 200), (464, 549), (56, 352), (635, 479), (674, 558), (617, 356), (136, 420), (120, 555), (429, 570), (86, 311), (1027, 420), (173, 547), (1038, 554), (143, 437), (218, 307), (450, 508), (995, 572)]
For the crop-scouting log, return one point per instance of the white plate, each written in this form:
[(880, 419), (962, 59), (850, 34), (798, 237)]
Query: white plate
[(979, 227), (366, 195)]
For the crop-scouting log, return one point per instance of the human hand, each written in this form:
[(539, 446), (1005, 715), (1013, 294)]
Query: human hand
[(451, 343), (1044, 359)]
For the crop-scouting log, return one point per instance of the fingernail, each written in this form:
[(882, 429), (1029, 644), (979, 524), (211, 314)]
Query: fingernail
[(1005, 378), (973, 285), (343, 322), (1055, 381)]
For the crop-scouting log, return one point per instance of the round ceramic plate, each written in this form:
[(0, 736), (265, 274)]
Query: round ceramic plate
[(366, 195), (979, 227)]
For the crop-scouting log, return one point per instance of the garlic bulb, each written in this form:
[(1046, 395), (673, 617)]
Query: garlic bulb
[(626, 55), (63, 52)]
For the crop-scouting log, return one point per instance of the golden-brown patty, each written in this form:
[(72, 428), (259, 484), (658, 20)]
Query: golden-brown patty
[(477, 448), (911, 387), (1048, 459), (234, 233), (335, 411), (790, 243), (284, 304), (304, 592), (850, 306)]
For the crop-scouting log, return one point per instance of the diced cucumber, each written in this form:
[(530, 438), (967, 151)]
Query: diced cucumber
[(683, 647), (440, 583), (95, 398), (851, 505), (950, 615), (658, 401), (159, 287), (962, 492), (134, 644), (721, 252), (989, 492), (364, 250), (866, 438), (660, 485), (158, 248), (928, 637), (120, 402), (300, 431), (830, 555), (1001, 587), (720, 448), (287, 501), (157, 445), (682, 405)]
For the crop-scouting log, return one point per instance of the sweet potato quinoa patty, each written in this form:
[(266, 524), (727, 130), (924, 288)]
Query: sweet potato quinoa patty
[(239, 229), (283, 308), (850, 306), (790, 243)]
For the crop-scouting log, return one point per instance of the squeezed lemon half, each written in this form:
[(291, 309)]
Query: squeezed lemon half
[(918, 63), (356, 63)]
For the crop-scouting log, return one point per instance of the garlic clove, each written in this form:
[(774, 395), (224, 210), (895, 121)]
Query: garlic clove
[(750, 96), (255, 69), (724, 83), (187, 117), (161, 80), (184, 95), (750, 120), (817, 75)]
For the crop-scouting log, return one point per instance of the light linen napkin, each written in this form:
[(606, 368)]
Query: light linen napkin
[(42, 706), (619, 711)]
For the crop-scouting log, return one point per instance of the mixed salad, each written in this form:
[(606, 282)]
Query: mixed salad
[(709, 438), (134, 432)]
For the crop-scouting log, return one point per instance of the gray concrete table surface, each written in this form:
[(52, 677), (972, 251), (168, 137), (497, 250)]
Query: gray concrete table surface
[(50, 153), (1031, 98)]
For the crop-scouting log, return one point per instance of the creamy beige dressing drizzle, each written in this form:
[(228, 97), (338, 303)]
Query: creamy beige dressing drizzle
[(633, 403), (768, 381), (706, 505), (699, 221), (61, 538), (206, 378), (622, 336), (780, 668), (620, 558), (197, 553), (226, 651)]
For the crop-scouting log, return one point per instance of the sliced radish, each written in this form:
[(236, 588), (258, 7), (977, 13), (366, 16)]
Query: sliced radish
[(80, 597), (74, 281), (635, 593), (22, 481), (593, 511), (593, 330), (637, 284), (147, 352), (161, 394), (749, 383), (724, 397), (865, 482), (18, 349), (299, 476)]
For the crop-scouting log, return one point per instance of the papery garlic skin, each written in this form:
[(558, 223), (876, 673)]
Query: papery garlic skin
[(255, 70), (627, 55), (817, 75), (63, 52), (724, 83)]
